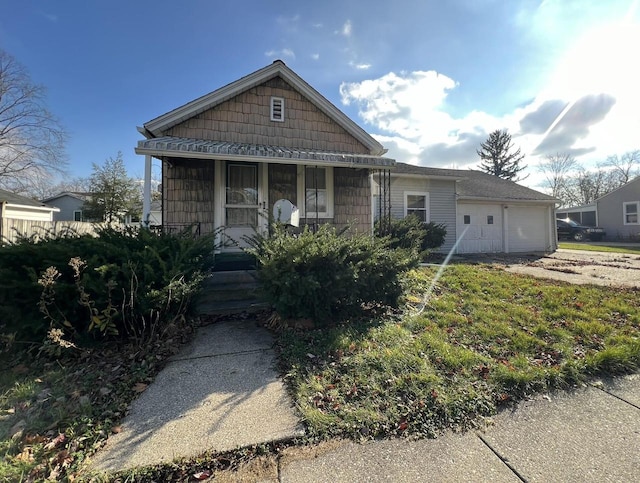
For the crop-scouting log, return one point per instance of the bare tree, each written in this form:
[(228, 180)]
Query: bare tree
[(626, 166), (588, 186), (557, 169), (43, 188), (498, 157), (31, 138)]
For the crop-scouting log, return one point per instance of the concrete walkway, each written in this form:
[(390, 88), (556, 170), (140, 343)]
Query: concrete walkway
[(221, 392)]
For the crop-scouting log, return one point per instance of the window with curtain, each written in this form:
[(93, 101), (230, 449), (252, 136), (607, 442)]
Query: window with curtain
[(315, 181)]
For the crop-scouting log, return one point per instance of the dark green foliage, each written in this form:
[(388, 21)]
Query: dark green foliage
[(134, 278), (411, 233), (327, 274), (499, 158)]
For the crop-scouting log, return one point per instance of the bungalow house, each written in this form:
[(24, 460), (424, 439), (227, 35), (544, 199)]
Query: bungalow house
[(228, 156), (481, 212), (69, 204), (618, 212)]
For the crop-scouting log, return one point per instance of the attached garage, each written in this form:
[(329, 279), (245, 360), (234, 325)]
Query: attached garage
[(482, 213), (504, 228)]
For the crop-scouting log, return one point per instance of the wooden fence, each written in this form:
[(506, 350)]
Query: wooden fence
[(11, 229)]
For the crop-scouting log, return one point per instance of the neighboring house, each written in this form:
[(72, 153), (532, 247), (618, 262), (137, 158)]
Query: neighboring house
[(228, 156), (618, 212), (70, 205), (155, 214), (489, 214), (23, 208)]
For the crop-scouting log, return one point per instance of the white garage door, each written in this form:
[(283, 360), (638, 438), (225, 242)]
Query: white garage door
[(481, 225), (528, 228)]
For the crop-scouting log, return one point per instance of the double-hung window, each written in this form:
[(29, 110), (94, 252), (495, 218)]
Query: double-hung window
[(417, 204), (631, 211), (318, 191)]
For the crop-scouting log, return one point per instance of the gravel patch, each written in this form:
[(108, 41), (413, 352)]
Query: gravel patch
[(573, 266)]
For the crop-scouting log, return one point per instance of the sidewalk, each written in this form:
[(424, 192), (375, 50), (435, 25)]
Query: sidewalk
[(592, 434)]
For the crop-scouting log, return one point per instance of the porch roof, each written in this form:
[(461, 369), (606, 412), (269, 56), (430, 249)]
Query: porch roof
[(202, 149)]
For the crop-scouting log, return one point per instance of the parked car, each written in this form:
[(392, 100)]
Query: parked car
[(568, 228)]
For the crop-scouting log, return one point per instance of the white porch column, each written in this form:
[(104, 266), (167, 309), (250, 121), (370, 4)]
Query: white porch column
[(146, 195)]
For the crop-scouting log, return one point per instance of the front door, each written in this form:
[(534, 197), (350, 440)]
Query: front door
[(243, 203)]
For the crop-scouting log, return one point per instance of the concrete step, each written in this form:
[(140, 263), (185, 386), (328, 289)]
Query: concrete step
[(230, 292), (233, 277), (230, 307)]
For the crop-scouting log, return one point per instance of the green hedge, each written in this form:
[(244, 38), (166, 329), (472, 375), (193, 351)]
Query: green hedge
[(411, 233), (327, 274), (127, 280)]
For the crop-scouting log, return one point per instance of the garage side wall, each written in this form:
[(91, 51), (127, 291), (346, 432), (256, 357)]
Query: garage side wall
[(442, 202)]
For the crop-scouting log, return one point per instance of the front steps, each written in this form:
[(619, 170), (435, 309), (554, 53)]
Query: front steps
[(230, 292)]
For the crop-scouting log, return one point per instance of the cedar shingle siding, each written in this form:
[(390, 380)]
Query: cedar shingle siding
[(352, 199), (246, 119), (188, 193)]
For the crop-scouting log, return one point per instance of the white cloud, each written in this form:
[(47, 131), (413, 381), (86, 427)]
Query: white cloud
[(360, 66), (346, 29), (281, 53), (315, 56)]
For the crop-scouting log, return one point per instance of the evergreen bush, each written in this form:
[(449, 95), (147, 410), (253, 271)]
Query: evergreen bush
[(130, 280), (411, 233), (328, 274)]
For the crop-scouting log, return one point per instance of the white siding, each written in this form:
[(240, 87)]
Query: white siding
[(480, 236), (528, 229), (25, 213), (442, 202)]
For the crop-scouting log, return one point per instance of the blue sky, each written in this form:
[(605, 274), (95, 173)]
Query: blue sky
[(429, 79)]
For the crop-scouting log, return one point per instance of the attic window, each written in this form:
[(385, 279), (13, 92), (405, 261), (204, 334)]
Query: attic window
[(277, 109)]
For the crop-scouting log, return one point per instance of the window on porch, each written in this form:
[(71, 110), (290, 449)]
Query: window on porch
[(318, 192)]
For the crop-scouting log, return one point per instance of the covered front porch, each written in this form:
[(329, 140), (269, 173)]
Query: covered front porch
[(233, 187)]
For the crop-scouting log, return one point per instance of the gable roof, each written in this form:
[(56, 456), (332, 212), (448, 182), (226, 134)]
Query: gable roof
[(18, 200), (623, 187), (476, 185), (157, 126), (72, 194)]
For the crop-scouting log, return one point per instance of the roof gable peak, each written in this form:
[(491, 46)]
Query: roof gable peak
[(156, 127)]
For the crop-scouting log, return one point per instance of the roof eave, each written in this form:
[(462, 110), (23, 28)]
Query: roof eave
[(32, 207), (159, 153), (506, 200)]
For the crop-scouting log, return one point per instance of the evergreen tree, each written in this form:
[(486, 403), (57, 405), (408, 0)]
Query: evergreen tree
[(498, 158), (114, 195)]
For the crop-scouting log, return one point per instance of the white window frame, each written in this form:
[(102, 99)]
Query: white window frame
[(302, 193), (427, 206), (280, 101), (624, 212)]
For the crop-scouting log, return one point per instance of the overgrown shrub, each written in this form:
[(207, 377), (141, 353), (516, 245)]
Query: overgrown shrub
[(411, 233), (124, 282), (327, 274)]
